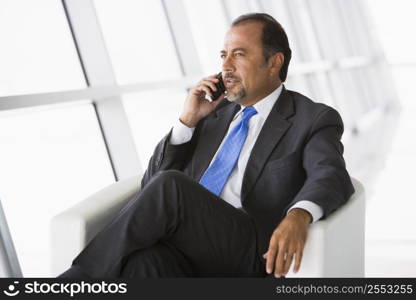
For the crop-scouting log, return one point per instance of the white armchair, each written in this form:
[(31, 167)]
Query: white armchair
[(334, 248)]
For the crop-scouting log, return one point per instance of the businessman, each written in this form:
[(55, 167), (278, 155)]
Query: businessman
[(234, 186)]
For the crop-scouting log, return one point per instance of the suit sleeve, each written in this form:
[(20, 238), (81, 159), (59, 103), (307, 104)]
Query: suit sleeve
[(328, 183), (167, 156)]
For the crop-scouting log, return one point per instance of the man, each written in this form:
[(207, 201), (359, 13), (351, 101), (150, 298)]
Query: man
[(233, 188)]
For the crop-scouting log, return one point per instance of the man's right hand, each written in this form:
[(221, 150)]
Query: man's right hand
[(196, 106)]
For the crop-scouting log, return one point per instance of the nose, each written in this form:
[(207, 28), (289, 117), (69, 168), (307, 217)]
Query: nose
[(227, 64)]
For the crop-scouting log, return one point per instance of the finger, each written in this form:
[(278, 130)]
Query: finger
[(210, 84), (265, 255), (205, 89), (298, 259), (208, 80), (271, 256), (212, 77), (280, 262), (288, 262)]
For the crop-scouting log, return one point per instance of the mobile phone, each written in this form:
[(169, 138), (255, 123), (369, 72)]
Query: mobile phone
[(220, 88)]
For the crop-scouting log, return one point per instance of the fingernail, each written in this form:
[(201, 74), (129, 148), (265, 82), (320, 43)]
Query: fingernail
[(268, 271)]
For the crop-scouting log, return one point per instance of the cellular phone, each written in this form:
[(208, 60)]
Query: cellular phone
[(220, 88)]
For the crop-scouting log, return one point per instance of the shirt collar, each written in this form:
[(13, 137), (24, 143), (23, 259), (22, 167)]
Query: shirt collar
[(265, 105)]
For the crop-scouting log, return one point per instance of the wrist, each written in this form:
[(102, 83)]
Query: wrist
[(188, 120), (301, 214)]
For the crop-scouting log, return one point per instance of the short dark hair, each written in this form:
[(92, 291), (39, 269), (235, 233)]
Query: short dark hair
[(274, 38)]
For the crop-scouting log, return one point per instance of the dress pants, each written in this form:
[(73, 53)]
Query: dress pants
[(174, 227), (159, 261)]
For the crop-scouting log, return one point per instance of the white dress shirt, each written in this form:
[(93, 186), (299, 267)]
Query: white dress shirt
[(232, 189)]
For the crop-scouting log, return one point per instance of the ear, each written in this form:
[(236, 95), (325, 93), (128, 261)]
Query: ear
[(275, 63)]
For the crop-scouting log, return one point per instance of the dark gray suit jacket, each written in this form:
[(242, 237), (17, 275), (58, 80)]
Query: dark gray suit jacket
[(297, 156)]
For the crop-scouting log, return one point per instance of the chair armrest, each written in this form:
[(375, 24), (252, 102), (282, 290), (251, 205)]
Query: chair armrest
[(335, 246), (72, 229)]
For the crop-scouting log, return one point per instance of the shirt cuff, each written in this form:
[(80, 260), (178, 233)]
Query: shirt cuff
[(181, 133), (314, 209)]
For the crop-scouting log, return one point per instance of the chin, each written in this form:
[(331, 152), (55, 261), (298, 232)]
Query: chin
[(236, 97)]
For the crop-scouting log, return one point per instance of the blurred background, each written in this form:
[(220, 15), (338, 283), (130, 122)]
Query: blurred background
[(87, 89)]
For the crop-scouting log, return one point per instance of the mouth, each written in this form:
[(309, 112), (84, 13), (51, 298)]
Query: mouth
[(230, 81)]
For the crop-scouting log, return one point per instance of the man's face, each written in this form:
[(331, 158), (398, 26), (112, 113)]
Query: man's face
[(246, 74)]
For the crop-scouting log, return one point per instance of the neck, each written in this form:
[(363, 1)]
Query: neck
[(264, 93)]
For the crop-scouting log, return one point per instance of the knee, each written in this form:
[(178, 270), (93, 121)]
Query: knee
[(161, 182), (167, 179), (165, 184)]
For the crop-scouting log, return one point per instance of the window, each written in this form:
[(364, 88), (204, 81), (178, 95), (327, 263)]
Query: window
[(50, 158), (208, 34), (138, 40), (236, 8), (151, 115), (299, 83), (37, 53)]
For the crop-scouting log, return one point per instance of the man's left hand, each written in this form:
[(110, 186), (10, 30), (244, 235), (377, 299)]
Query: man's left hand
[(288, 241)]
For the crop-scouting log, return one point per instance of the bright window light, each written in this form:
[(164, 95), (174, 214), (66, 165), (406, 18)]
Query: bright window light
[(151, 115), (50, 158), (37, 53), (209, 26), (138, 40)]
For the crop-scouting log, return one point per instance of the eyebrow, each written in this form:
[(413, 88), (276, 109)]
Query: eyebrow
[(234, 50)]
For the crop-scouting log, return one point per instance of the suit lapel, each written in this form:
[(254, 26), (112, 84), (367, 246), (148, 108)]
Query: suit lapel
[(213, 132), (273, 130)]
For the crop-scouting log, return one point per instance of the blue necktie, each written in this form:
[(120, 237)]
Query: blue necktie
[(217, 174)]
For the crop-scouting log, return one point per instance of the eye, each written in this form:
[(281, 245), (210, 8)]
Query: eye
[(222, 56), (239, 54)]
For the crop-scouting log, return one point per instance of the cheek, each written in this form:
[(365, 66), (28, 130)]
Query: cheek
[(257, 78), (249, 81), (247, 73)]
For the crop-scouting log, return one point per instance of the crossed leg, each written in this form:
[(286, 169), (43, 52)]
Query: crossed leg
[(209, 235)]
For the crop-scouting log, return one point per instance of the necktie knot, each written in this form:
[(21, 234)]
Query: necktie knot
[(248, 112)]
